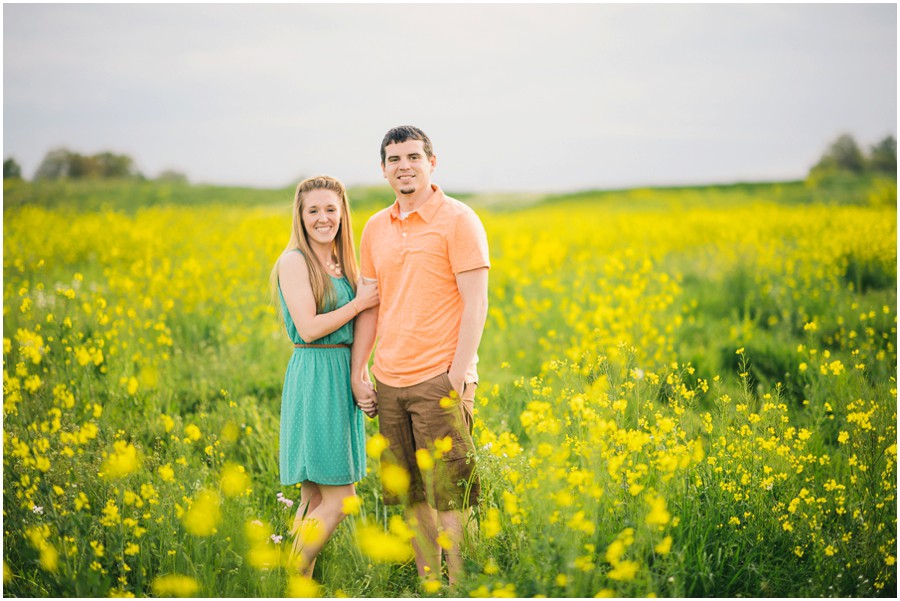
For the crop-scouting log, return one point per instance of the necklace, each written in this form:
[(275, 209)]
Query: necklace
[(335, 267)]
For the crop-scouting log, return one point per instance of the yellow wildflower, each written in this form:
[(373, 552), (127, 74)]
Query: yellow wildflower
[(310, 532), (166, 472), (233, 480), (491, 567), (351, 505), (168, 422), (230, 432), (175, 585), (658, 514), (111, 515), (624, 570), (124, 460), (664, 546), (302, 586), (376, 445), (394, 478), (615, 551), (399, 527), (442, 446), (424, 460), (380, 546), (444, 541), (431, 586), (202, 517), (49, 558), (193, 432), (490, 525)]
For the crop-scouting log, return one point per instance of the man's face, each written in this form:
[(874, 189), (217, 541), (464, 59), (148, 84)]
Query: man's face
[(406, 167)]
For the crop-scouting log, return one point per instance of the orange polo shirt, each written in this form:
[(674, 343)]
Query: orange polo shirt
[(415, 261)]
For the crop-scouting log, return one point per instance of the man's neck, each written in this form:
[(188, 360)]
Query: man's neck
[(411, 202)]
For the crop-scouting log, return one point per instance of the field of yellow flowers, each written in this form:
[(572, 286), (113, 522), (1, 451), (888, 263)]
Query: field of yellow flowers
[(683, 393)]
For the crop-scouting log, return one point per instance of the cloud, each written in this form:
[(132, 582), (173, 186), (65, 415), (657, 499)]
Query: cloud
[(514, 95)]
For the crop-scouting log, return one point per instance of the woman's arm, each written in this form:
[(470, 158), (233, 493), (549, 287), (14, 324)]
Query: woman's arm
[(293, 277)]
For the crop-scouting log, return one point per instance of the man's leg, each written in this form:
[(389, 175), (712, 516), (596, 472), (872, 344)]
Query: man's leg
[(459, 525), (395, 424), (423, 520), (453, 522), (435, 421)]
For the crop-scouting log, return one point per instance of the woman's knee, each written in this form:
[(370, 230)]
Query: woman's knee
[(334, 501), (310, 489), (310, 498)]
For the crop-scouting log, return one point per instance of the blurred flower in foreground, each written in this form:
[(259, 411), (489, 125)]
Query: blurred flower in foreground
[(378, 545), (234, 480), (394, 478), (431, 586), (203, 515), (376, 445), (624, 570), (301, 586), (351, 505), (310, 532), (424, 460), (175, 585), (122, 461)]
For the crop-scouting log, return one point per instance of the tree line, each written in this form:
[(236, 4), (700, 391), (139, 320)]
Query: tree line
[(844, 155), (62, 163)]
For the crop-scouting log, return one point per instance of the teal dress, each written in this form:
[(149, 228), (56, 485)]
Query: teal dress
[(322, 429)]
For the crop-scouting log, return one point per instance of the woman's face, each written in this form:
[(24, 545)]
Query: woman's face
[(321, 213)]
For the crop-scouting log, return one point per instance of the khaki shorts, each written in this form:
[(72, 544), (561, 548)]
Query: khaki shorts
[(412, 418)]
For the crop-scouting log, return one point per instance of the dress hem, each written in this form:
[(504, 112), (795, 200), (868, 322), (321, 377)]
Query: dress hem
[(340, 483)]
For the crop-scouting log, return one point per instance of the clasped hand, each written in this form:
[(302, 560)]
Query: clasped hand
[(364, 393)]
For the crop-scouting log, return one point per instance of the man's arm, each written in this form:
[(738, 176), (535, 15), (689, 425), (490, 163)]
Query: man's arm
[(473, 288), (364, 331)]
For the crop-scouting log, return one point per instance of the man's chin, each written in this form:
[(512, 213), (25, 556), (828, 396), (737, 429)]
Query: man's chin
[(407, 191)]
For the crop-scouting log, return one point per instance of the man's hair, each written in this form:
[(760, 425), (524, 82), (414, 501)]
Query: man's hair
[(403, 133)]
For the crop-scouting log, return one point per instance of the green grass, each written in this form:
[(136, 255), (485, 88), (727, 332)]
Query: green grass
[(592, 295)]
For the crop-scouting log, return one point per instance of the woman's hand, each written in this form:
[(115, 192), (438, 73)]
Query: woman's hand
[(364, 395), (368, 405), (366, 295)]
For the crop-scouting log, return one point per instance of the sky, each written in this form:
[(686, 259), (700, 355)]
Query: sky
[(515, 97)]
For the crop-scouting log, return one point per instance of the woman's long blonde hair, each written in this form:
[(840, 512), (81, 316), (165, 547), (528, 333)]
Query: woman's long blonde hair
[(344, 249)]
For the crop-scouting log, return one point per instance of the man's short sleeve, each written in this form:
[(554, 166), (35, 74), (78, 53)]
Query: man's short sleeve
[(467, 245)]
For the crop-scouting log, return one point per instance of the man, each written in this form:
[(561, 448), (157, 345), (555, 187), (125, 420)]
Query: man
[(429, 254)]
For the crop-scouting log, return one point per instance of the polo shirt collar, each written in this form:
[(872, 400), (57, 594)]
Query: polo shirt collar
[(428, 208)]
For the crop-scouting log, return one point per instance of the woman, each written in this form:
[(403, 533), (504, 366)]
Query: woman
[(322, 442)]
